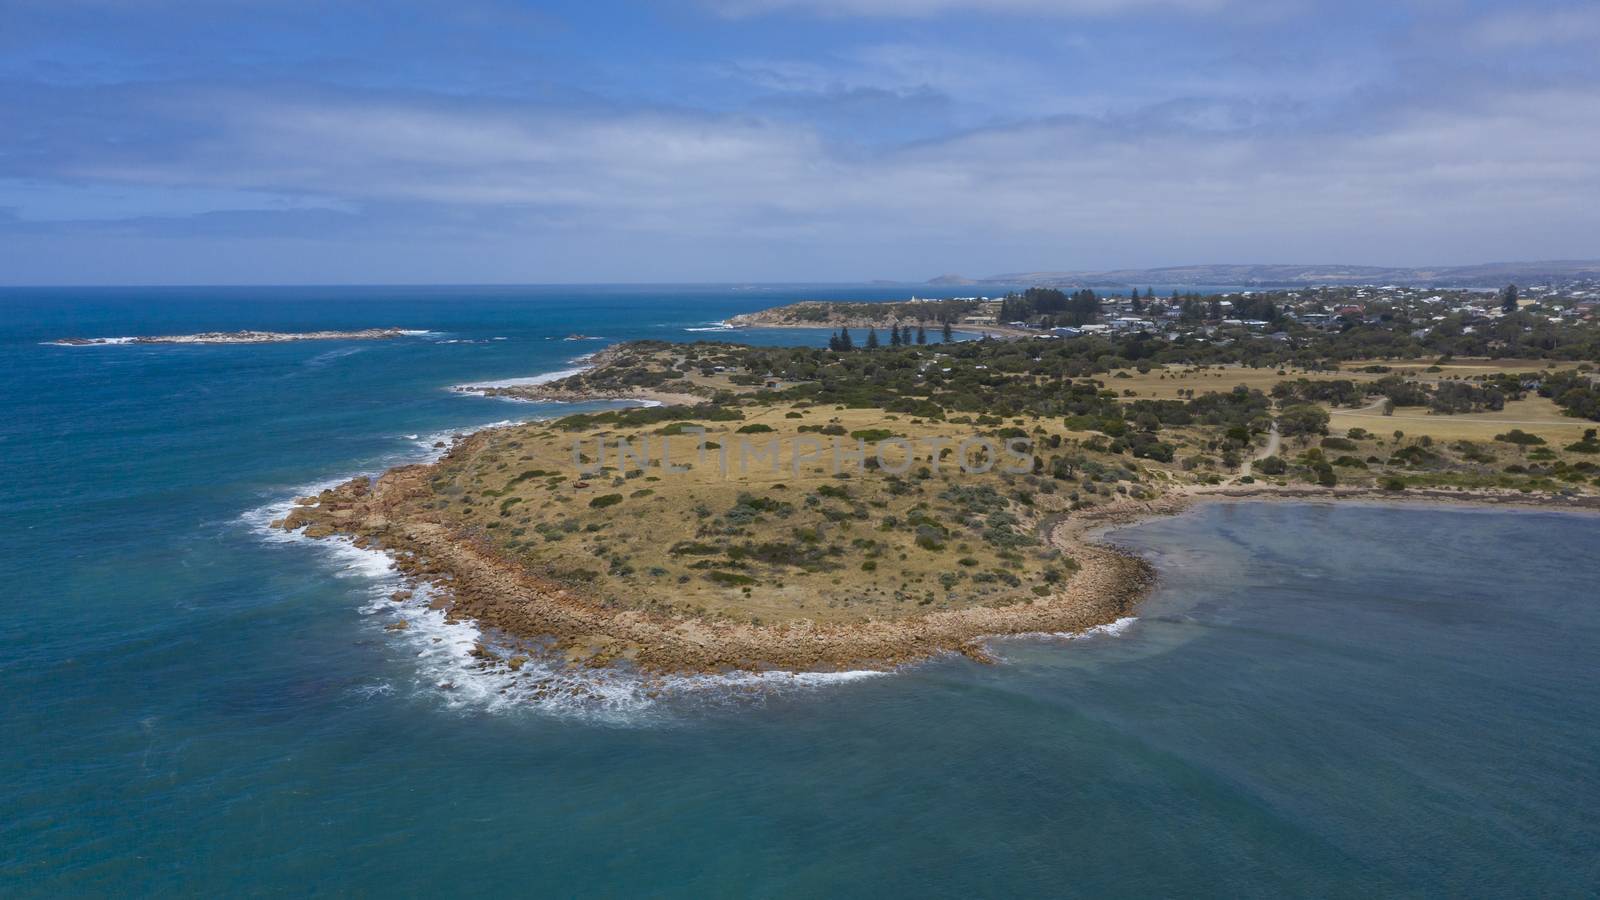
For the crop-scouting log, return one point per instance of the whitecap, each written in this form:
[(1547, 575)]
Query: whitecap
[(448, 669), (90, 342), (528, 381)]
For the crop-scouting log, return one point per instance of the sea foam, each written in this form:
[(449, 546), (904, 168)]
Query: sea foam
[(446, 667)]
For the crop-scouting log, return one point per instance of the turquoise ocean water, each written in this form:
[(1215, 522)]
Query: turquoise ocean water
[(1319, 700)]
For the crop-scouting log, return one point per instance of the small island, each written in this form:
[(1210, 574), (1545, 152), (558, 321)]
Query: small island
[(816, 509), (246, 337)]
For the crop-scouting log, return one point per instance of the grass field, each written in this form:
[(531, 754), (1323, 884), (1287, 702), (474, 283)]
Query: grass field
[(1169, 383), (768, 542), (1536, 415)]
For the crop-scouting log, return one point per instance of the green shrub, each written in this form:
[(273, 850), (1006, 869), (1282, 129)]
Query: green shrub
[(1519, 437), (605, 500), (729, 579), (1272, 465), (872, 435)]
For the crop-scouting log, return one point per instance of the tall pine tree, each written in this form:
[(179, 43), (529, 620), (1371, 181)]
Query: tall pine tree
[(1508, 299)]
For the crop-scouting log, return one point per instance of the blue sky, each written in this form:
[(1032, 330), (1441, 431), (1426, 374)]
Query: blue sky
[(320, 141)]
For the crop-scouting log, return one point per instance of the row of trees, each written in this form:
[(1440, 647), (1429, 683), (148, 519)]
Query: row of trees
[(1048, 306), (899, 336)]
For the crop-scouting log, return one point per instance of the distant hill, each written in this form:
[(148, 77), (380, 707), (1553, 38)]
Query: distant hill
[(1481, 275)]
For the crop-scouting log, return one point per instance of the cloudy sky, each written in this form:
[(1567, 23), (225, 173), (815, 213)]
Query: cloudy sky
[(325, 141)]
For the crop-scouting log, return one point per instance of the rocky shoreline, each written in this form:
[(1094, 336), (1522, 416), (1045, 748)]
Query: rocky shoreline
[(862, 323), (541, 393), (474, 583), (244, 337)]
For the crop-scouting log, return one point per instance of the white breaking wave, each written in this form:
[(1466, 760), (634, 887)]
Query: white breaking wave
[(585, 363), (529, 381), (448, 669), (1110, 629), (427, 442), (92, 342), (713, 326)]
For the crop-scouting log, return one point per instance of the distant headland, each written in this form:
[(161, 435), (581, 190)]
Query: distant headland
[(1492, 274)]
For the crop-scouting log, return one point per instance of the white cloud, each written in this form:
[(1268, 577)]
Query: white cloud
[(1536, 28), (1501, 161)]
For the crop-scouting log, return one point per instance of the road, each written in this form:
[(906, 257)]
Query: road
[(1274, 441)]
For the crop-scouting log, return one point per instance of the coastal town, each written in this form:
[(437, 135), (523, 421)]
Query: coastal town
[(1286, 314)]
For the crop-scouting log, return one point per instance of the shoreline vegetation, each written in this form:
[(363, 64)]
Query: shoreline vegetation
[(932, 316), (561, 544), (245, 337)]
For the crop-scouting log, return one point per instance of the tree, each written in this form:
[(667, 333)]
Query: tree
[(872, 338), (949, 333), (1303, 419), (845, 341), (1508, 299), (894, 335), (922, 334)]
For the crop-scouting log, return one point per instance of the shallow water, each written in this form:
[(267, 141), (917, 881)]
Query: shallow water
[(1318, 699)]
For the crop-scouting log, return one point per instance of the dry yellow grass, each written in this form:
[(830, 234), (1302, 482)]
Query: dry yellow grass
[(1535, 415), (1171, 382), (858, 535)]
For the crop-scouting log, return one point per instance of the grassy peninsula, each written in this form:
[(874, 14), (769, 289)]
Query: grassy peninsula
[(811, 508)]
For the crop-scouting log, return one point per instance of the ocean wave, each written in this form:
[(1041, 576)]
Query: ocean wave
[(91, 342), (1109, 629), (528, 381), (430, 443), (236, 338), (712, 326), (459, 666), (448, 666)]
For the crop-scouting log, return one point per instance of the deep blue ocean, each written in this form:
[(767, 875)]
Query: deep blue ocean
[(1318, 701)]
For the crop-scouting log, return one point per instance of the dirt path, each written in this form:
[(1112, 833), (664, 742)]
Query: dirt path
[(1274, 442)]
